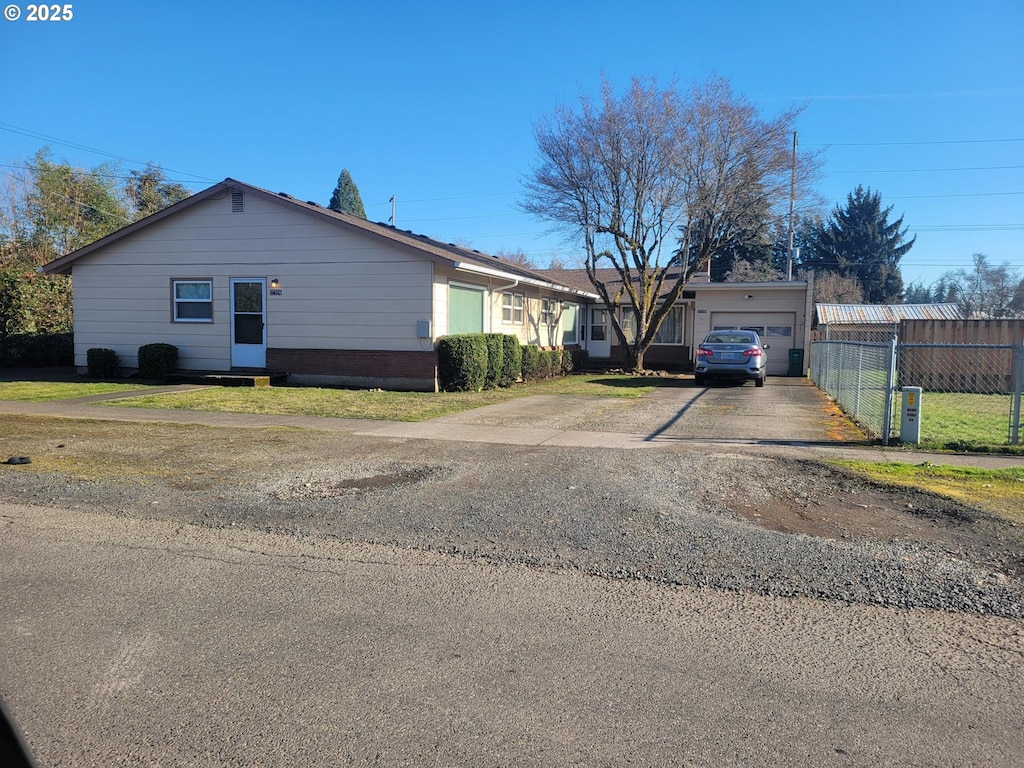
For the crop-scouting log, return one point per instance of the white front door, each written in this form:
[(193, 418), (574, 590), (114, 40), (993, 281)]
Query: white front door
[(599, 340), (248, 322)]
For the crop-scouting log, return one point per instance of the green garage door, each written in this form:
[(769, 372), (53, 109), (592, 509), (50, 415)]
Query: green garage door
[(465, 309)]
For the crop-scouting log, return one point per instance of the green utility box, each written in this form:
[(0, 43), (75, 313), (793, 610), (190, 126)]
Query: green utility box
[(796, 362)]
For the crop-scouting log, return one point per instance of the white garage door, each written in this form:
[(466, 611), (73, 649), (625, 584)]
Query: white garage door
[(774, 328)]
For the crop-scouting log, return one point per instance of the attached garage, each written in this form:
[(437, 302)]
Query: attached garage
[(776, 330), (780, 313)]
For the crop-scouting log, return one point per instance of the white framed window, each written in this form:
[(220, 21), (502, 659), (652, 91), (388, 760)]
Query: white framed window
[(512, 308), (193, 301), (548, 312)]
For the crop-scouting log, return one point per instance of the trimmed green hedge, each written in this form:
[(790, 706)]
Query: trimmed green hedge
[(102, 363), (462, 362), (511, 361), (157, 360), (530, 356), (471, 362), (495, 357), (37, 350)]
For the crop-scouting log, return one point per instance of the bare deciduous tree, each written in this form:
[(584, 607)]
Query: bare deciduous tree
[(833, 288), (987, 290), (656, 182)]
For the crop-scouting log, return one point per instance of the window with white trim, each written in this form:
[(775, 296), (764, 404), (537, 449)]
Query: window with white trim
[(512, 308), (548, 312), (193, 301)]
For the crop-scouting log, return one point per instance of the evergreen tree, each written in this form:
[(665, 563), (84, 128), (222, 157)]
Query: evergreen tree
[(346, 197), (858, 241), (917, 293)]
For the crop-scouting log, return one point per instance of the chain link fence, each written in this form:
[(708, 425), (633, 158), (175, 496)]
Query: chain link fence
[(971, 393)]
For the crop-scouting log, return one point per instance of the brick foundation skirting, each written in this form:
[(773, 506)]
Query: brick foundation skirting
[(417, 369)]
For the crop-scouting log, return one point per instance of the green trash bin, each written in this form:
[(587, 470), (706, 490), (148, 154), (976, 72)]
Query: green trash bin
[(796, 362)]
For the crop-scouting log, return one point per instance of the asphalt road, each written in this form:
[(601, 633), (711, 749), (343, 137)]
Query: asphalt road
[(129, 642)]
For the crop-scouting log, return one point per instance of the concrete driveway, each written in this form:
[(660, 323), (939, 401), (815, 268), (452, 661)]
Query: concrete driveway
[(786, 411)]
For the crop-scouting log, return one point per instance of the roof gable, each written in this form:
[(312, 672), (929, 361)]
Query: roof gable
[(450, 254)]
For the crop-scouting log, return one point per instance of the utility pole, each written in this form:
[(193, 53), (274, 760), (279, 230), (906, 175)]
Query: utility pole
[(392, 219), (792, 204)]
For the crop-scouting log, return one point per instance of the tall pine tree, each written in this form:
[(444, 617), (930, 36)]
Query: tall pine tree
[(346, 197), (858, 241)]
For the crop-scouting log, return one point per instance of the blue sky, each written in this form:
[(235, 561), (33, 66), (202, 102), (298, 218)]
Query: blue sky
[(434, 102)]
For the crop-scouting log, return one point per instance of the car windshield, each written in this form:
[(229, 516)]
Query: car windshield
[(729, 338)]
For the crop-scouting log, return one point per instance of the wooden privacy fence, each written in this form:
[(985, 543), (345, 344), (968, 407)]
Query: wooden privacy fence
[(1008, 332), (959, 355)]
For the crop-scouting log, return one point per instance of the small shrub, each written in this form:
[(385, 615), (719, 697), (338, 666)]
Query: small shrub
[(495, 357), (580, 358), (543, 364), (568, 362), (511, 361), (462, 362), (157, 360), (556, 362), (530, 356), (102, 363)]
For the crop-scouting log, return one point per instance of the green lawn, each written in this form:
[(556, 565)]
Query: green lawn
[(43, 391), (339, 403), (961, 420)]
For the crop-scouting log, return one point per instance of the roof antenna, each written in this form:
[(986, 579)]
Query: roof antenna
[(391, 221)]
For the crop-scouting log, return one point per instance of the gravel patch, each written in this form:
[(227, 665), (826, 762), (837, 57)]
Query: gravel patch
[(683, 515)]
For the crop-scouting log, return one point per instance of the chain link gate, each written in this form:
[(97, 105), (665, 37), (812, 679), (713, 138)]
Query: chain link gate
[(971, 392)]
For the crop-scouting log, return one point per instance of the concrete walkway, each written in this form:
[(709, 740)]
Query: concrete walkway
[(789, 416)]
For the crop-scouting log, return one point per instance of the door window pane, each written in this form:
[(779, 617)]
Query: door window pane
[(249, 297), (249, 329)]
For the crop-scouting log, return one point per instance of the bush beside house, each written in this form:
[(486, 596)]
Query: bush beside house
[(156, 361), (35, 319), (102, 363), (472, 362)]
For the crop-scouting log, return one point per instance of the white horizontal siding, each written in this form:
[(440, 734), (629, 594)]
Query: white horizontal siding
[(339, 289)]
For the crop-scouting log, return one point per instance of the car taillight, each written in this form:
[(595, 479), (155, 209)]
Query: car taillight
[(755, 352), (703, 352)]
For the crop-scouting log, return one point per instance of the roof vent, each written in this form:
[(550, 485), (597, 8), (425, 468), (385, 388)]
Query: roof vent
[(238, 202)]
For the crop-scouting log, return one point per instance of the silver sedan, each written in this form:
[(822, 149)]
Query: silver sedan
[(732, 354)]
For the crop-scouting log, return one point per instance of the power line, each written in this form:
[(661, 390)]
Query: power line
[(915, 143), (934, 170), (36, 135)]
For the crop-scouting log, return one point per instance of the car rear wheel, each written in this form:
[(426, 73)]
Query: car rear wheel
[(759, 382), (699, 379)]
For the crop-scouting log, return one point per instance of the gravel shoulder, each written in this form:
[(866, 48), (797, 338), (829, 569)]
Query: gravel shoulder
[(739, 517)]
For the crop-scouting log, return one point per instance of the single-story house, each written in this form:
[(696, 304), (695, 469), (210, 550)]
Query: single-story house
[(874, 322), (779, 311), (240, 278)]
